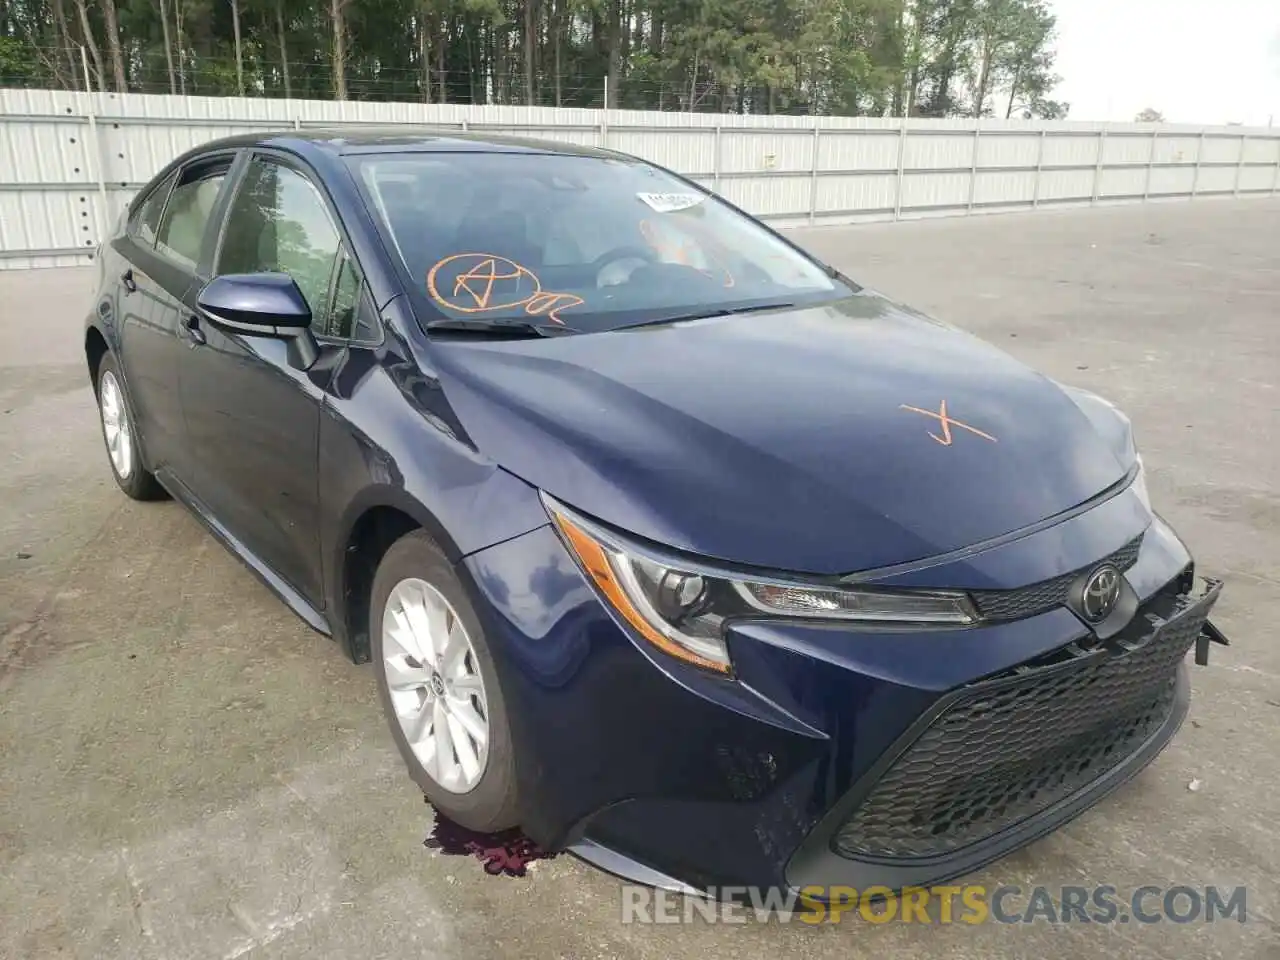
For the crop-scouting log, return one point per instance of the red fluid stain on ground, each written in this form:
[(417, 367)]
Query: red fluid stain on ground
[(506, 853)]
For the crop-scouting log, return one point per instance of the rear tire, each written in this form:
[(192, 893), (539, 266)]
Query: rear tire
[(121, 436), (439, 688)]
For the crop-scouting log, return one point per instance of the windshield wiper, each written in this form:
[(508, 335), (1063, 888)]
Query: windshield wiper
[(514, 329), (714, 312)]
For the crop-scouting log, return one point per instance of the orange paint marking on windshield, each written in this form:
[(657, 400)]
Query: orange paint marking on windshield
[(552, 303), (485, 282), (681, 251), (484, 275)]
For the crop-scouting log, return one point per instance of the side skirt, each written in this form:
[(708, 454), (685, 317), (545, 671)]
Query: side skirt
[(272, 580)]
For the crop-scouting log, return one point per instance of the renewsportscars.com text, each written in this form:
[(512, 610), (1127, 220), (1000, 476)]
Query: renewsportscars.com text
[(968, 904)]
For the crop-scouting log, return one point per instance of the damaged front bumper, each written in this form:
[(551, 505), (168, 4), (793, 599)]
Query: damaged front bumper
[(999, 763), (838, 757)]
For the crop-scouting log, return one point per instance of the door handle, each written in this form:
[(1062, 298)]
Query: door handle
[(130, 285), (194, 333)]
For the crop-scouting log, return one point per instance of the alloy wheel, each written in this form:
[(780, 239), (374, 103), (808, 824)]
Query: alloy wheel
[(115, 425), (437, 692)]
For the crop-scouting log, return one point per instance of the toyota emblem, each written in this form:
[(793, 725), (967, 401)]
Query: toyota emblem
[(1101, 591)]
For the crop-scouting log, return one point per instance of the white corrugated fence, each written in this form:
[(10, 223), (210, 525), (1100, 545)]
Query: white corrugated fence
[(70, 161)]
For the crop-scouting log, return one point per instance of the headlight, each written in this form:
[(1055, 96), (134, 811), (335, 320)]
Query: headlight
[(837, 603), (683, 611)]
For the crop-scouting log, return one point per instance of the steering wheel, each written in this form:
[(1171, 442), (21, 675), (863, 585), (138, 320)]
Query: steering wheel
[(624, 260)]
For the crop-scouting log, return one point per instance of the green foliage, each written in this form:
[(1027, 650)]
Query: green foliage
[(19, 65), (941, 57)]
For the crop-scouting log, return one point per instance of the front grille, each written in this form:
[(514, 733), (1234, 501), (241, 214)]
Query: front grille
[(1047, 594), (1013, 746)]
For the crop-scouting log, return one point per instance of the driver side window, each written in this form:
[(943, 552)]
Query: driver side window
[(279, 223)]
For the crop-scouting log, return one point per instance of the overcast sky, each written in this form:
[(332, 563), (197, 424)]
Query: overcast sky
[(1196, 61)]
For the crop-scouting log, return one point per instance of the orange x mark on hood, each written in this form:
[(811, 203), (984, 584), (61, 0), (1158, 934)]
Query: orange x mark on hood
[(947, 423)]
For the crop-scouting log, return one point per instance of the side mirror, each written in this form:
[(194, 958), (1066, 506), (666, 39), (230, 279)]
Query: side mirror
[(262, 305), (259, 304)]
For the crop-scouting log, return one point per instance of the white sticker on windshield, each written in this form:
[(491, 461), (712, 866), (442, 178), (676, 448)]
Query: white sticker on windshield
[(670, 202)]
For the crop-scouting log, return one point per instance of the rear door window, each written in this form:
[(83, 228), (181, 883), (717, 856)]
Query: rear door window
[(186, 215), (145, 222)]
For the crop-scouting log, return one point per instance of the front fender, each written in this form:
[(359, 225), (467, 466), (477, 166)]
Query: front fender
[(419, 467)]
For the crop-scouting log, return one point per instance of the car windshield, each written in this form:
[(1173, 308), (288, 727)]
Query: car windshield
[(591, 243)]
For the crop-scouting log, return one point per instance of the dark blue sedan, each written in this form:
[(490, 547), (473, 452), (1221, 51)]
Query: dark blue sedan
[(668, 543)]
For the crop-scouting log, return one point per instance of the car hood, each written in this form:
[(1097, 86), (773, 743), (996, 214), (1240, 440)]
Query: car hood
[(805, 440)]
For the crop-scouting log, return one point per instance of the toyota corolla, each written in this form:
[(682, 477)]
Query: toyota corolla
[(667, 542)]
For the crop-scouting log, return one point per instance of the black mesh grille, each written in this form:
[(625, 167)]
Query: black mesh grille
[(1015, 745), (1047, 594)]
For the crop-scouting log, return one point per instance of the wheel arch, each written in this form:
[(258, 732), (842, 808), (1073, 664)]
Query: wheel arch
[(95, 348), (371, 525)]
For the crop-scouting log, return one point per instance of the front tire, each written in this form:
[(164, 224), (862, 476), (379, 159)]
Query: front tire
[(439, 689), (121, 437)]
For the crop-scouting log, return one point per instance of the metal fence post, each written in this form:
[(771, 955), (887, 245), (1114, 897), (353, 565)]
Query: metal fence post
[(1035, 192), (1151, 162), (1244, 148), (1097, 170), (95, 148), (813, 173), (604, 126), (973, 167), (716, 161), (1195, 179), (902, 156)]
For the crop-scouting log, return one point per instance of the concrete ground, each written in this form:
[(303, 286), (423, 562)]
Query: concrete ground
[(187, 771)]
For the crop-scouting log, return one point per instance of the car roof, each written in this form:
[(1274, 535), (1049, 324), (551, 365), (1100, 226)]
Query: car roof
[(400, 138)]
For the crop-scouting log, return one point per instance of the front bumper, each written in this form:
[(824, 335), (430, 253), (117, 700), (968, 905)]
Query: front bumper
[(834, 757), (996, 764)]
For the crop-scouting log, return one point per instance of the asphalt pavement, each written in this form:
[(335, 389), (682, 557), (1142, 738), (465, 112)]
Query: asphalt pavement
[(187, 771)]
